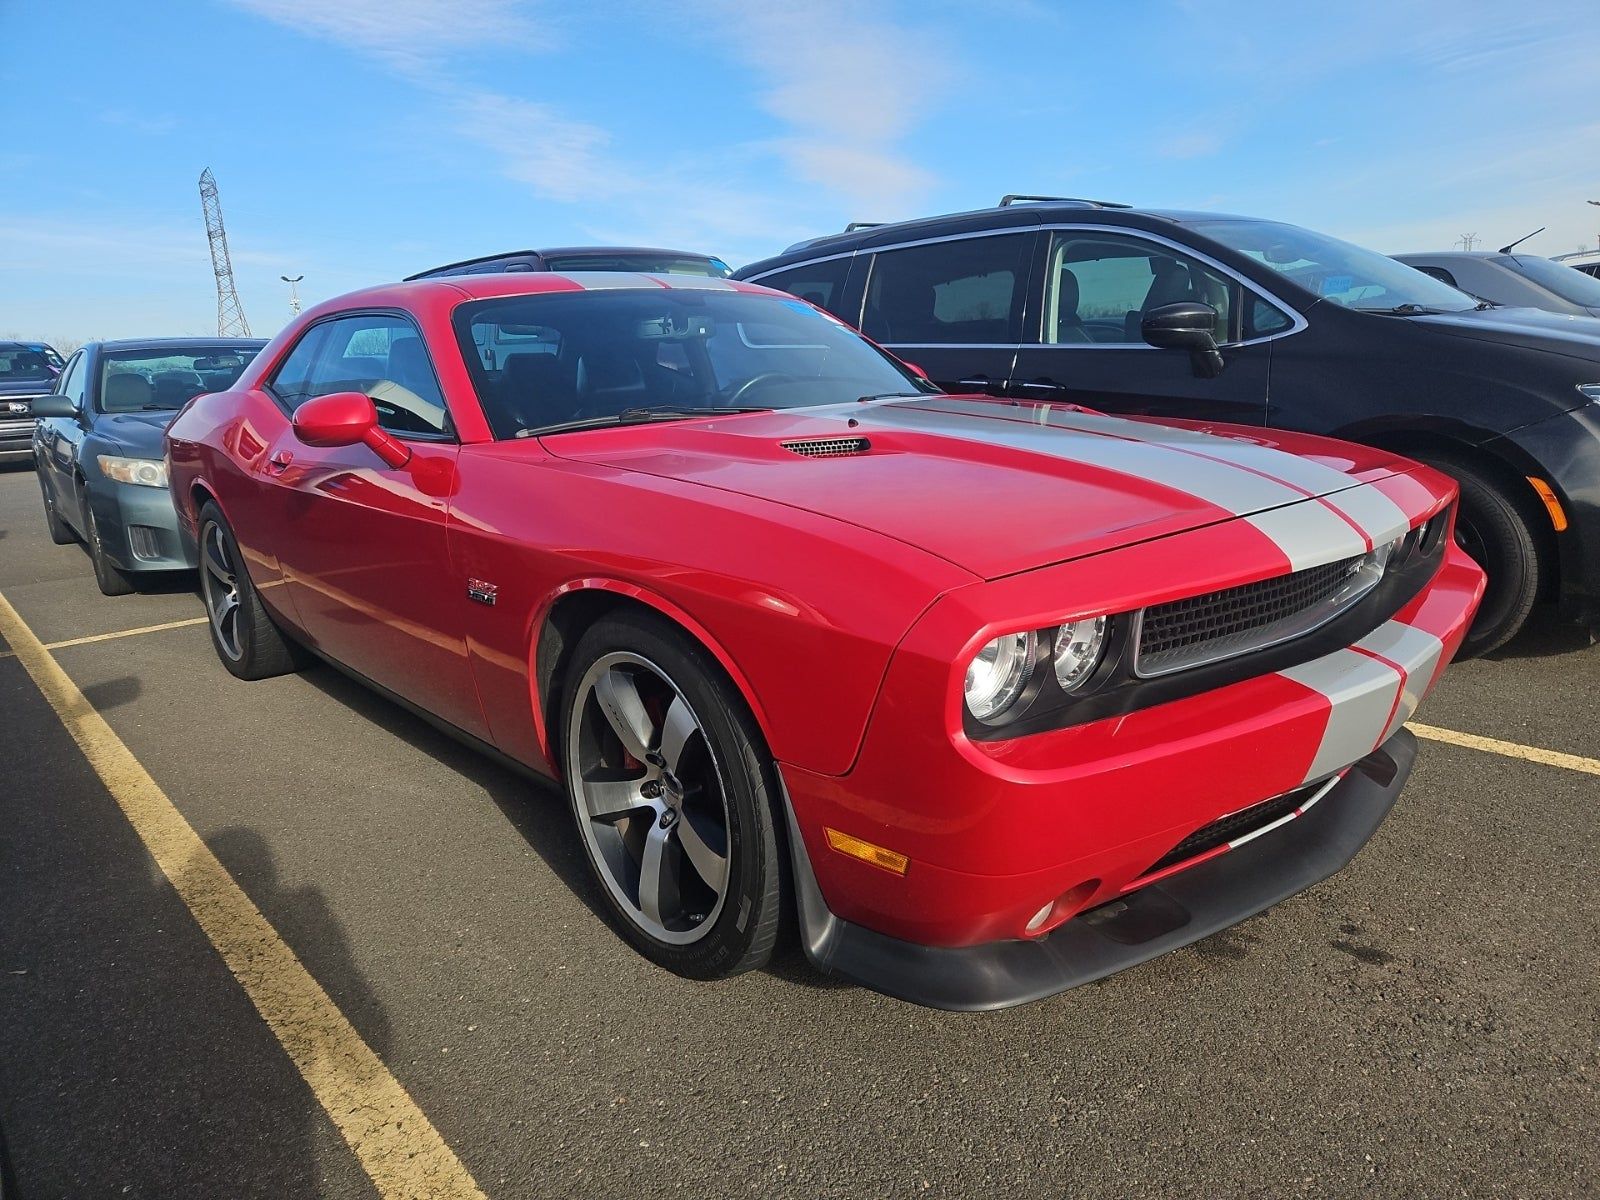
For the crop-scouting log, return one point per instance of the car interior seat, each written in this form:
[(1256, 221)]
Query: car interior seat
[(1169, 284), (174, 388), (126, 391), (535, 390), (1069, 325), (609, 380)]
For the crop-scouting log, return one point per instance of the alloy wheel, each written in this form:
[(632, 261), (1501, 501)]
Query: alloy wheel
[(652, 806), (219, 585)]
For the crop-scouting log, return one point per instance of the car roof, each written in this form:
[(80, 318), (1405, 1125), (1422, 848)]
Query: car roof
[(454, 289), (163, 343), (564, 252), (1456, 254)]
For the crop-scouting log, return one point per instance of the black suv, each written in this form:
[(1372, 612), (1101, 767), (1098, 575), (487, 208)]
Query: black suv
[(586, 258), (1224, 318), (26, 373)]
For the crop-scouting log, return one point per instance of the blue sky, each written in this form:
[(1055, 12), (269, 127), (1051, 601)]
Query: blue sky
[(361, 140)]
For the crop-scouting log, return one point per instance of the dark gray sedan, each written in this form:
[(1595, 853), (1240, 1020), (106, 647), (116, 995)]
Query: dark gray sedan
[(97, 447), (1513, 280)]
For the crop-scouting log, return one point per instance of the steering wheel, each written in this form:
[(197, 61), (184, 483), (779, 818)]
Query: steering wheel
[(754, 382)]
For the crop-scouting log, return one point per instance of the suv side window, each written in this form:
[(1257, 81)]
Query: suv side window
[(819, 283), (963, 292), (382, 355), (1099, 286)]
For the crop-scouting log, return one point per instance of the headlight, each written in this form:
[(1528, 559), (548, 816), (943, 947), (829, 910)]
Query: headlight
[(1078, 649), (146, 472), (1590, 392), (998, 674)]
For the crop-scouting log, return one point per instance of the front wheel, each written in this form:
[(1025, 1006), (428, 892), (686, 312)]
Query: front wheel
[(111, 579), (674, 796), (1498, 534), (243, 633)]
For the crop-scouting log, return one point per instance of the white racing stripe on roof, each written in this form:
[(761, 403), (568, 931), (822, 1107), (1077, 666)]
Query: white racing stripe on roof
[(1417, 652), (610, 281), (693, 283), (1361, 695), (1227, 487)]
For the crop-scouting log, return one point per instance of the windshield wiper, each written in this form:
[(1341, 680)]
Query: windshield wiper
[(1401, 310), (893, 396), (638, 416)]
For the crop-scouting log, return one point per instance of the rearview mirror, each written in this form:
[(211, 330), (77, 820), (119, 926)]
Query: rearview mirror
[(1187, 325), (348, 419), (54, 405)]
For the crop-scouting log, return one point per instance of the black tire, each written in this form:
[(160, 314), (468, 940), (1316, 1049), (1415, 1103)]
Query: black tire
[(744, 927), (60, 532), (1497, 530), (111, 579), (249, 643)]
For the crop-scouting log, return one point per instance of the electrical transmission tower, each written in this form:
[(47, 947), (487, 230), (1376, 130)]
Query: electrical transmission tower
[(230, 317)]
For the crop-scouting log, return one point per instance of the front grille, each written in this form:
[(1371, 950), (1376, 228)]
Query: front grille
[(1235, 825), (828, 447), (1204, 629)]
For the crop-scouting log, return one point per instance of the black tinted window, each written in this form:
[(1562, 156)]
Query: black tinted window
[(967, 291), (820, 283), (24, 364), (383, 356)]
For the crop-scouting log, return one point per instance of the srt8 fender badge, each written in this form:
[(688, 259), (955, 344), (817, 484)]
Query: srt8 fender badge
[(483, 591)]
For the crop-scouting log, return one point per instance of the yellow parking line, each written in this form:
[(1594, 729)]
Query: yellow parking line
[(397, 1146), (1473, 741), (121, 633)]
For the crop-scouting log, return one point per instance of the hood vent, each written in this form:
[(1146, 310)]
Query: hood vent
[(833, 447)]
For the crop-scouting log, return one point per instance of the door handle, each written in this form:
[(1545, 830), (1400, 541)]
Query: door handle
[(977, 384), (279, 462)]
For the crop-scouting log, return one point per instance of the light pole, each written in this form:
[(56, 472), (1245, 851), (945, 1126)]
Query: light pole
[(294, 292)]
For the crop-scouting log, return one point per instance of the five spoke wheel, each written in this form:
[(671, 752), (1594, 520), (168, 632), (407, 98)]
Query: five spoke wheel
[(219, 584), (654, 805)]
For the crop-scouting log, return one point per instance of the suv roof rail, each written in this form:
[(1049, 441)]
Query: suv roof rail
[(855, 225), (1008, 201)]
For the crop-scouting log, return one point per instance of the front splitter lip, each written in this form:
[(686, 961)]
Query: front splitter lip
[(1179, 910)]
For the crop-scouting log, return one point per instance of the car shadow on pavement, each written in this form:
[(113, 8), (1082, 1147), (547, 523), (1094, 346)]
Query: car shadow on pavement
[(1544, 636)]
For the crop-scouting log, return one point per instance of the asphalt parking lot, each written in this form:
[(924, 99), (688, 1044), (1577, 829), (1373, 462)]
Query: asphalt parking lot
[(1423, 1024)]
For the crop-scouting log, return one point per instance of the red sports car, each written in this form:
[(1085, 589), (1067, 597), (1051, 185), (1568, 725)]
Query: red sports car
[(997, 697)]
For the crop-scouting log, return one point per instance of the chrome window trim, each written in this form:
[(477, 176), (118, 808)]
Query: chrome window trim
[(1297, 319)]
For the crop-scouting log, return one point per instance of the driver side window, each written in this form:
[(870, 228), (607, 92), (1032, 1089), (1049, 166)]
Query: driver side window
[(1100, 287), (378, 354)]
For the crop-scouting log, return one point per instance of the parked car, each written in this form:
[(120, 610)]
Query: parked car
[(1512, 280), (1027, 693), (25, 375), (1225, 318), (1587, 261), (51, 355), (98, 451), (586, 258)]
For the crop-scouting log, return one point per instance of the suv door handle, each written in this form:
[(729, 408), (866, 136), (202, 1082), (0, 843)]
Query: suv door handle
[(1042, 385), (979, 383)]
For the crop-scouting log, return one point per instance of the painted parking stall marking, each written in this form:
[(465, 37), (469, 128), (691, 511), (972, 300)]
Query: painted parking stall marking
[(397, 1146)]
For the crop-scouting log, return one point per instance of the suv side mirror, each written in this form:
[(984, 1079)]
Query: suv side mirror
[(1189, 326), (54, 405), (348, 419)]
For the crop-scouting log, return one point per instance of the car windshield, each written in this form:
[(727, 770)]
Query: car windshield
[(168, 378), (1571, 285), (621, 354), (1338, 271), (648, 264), (24, 364)]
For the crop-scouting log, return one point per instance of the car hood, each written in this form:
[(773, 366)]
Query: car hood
[(1529, 328), (137, 433), (991, 486)]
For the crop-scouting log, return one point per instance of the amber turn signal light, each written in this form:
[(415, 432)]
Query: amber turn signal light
[(1558, 517), (876, 856)]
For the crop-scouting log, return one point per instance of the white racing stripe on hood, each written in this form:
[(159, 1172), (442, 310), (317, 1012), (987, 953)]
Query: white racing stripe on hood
[(1381, 517), (1227, 487), (1361, 695), (1310, 534)]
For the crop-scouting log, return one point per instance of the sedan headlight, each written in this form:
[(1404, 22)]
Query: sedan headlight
[(1079, 645), (146, 472), (998, 674), (1590, 392)]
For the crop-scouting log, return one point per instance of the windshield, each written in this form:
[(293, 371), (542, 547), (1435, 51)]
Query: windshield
[(168, 378), (1570, 284), (24, 364), (648, 264), (1338, 271), (547, 360)]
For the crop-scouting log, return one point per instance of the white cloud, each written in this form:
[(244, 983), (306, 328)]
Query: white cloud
[(409, 35), (1190, 145), (558, 158)]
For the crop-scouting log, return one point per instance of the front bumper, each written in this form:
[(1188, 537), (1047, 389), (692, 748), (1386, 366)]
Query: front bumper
[(1181, 909), (1564, 451), (139, 527)]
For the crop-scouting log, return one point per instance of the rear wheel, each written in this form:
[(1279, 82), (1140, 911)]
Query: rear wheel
[(112, 580), (1497, 532), (674, 796), (246, 638), (60, 532)]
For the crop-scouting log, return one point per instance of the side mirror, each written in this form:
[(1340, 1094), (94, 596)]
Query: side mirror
[(54, 405), (1186, 326), (348, 419)]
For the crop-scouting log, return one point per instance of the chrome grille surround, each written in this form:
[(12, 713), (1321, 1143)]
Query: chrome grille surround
[(1204, 629)]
